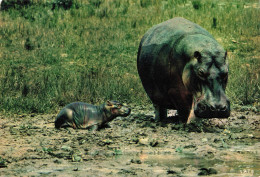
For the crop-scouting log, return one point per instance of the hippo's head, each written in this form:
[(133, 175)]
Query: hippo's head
[(206, 77), (117, 109)]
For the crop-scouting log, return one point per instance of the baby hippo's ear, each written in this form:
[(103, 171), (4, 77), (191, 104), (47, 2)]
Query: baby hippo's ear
[(109, 103)]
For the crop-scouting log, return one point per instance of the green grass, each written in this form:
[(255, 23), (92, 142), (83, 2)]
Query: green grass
[(50, 58)]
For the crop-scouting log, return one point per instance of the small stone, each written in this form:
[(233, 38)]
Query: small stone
[(57, 161), (153, 143), (189, 146), (82, 142), (242, 117), (135, 140), (144, 141), (65, 148), (2, 163), (204, 140), (205, 171), (137, 161), (250, 135), (171, 172), (76, 158)]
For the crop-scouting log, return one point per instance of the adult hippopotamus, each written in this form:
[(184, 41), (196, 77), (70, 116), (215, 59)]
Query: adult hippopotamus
[(183, 67), (83, 115)]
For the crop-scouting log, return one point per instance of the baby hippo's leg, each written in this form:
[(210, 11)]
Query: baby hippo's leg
[(93, 128), (64, 118)]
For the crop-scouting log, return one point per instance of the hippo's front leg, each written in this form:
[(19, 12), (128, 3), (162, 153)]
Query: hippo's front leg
[(192, 117), (160, 113), (93, 128)]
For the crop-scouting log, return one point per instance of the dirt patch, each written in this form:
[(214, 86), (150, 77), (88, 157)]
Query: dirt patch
[(132, 146)]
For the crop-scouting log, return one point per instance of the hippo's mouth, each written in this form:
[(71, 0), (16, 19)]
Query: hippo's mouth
[(125, 112), (206, 109)]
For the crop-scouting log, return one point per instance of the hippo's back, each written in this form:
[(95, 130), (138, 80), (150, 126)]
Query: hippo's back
[(82, 113), (170, 31), (76, 106), (77, 115)]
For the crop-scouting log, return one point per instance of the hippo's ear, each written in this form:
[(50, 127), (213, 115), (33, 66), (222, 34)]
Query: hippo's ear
[(198, 56), (225, 57)]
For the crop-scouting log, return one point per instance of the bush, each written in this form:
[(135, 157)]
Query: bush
[(196, 4), (15, 4), (65, 4), (102, 12), (214, 22), (96, 3), (145, 3), (28, 45)]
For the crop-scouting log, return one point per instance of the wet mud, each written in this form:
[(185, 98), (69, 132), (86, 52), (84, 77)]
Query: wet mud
[(131, 146)]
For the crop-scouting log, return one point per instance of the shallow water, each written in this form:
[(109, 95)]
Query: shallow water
[(222, 167), (232, 164)]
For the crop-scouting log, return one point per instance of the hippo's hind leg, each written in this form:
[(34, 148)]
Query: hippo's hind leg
[(160, 113), (64, 118)]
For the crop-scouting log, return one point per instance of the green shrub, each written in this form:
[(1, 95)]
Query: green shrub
[(65, 4), (29, 44), (90, 10), (102, 12), (15, 4), (145, 3), (196, 4), (214, 22), (96, 3), (173, 3)]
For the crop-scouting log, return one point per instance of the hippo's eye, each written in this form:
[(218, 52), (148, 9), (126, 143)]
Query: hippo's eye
[(202, 73), (118, 106), (198, 56)]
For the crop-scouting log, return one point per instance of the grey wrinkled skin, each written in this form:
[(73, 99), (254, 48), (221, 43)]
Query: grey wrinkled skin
[(183, 67), (83, 115)]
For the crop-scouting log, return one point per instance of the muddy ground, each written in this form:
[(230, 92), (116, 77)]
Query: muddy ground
[(131, 146)]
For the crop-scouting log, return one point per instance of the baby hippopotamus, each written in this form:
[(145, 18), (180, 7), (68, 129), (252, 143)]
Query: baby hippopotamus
[(83, 115)]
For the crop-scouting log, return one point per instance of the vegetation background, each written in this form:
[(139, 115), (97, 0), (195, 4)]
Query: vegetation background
[(60, 51)]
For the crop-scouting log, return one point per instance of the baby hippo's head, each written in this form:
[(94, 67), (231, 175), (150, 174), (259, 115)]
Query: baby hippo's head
[(117, 109)]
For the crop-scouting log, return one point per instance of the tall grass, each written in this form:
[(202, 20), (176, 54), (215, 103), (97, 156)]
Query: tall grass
[(87, 52)]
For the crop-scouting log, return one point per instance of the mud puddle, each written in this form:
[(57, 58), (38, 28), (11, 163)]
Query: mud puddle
[(207, 166), (132, 146)]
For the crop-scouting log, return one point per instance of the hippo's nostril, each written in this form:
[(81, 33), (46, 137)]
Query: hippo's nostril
[(202, 107), (212, 108), (224, 108)]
